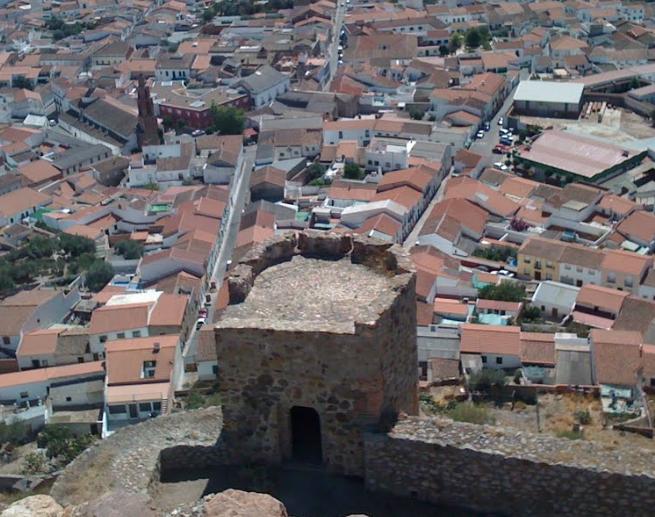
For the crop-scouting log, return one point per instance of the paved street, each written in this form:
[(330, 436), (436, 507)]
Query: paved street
[(482, 147), (238, 195), (333, 50)]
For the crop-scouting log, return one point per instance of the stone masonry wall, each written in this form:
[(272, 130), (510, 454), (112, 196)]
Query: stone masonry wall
[(498, 470), (354, 379)]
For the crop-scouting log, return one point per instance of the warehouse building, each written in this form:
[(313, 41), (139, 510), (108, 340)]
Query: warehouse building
[(548, 99), (562, 157)]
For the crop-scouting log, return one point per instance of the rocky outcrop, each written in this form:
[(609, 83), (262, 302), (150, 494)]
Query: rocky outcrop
[(34, 506), (236, 503)]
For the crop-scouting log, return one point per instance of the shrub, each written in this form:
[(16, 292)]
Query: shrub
[(506, 291), (570, 435), (469, 412), (582, 416), (352, 171), (14, 433), (487, 379), (34, 463), (129, 249), (60, 443), (531, 313)]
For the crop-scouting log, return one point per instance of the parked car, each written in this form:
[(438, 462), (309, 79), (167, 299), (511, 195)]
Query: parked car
[(501, 166), (487, 127), (202, 312), (479, 135), (500, 121), (505, 140), (200, 322)]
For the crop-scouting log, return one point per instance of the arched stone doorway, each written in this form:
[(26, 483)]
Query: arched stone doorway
[(306, 443)]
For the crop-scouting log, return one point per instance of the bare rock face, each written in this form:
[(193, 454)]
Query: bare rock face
[(34, 506), (236, 503), (114, 504)]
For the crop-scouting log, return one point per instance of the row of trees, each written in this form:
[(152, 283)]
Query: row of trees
[(473, 38)]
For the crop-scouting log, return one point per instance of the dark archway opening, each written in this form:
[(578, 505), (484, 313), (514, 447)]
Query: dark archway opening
[(306, 435)]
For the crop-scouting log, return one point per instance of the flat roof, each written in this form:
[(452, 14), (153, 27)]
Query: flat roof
[(549, 91), (576, 154)]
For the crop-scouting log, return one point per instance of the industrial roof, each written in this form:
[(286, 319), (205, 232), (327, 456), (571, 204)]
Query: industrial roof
[(549, 91), (576, 154)]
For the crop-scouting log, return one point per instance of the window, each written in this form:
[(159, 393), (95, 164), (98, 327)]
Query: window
[(68, 399), (526, 260), (6, 340), (549, 264), (156, 406), (145, 407), (103, 339), (537, 264), (499, 360), (578, 269), (567, 267), (24, 394), (120, 335), (484, 359), (136, 333), (215, 369), (117, 410), (627, 281), (611, 278)]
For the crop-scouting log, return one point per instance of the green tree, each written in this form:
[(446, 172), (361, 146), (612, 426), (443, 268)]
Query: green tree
[(473, 38), (505, 291), (416, 113), (531, 313), (98, 275), (227, 120), (61, 443), (487, 380), (455, 43), (129, 249), (352, 171), (40, 247), (14, 433), (315, 171), (75, 245)]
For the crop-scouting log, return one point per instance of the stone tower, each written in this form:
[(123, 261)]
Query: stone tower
[(317, 346), (148, 132)]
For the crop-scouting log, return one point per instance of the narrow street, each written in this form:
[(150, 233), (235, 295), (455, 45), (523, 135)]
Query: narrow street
[(483, 147), (238, 197), (333, 50)]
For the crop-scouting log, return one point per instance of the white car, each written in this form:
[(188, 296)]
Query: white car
[(500, 121), (480, 134), (501, 166), (200, 322)]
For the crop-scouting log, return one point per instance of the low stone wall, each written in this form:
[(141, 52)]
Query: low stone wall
[(129, 460), (499, 470)]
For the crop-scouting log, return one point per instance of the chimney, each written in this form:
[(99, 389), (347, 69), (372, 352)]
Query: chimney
[(156, 347)]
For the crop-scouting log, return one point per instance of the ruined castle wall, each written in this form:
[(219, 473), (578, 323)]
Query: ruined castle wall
[(356, 374), (498, 470), (348, 379)]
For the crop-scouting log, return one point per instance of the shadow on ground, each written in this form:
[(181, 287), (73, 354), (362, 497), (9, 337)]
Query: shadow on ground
[(308, 492)]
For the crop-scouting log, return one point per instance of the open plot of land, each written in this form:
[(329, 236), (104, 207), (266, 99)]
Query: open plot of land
[(618, 125), (557, 415)]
